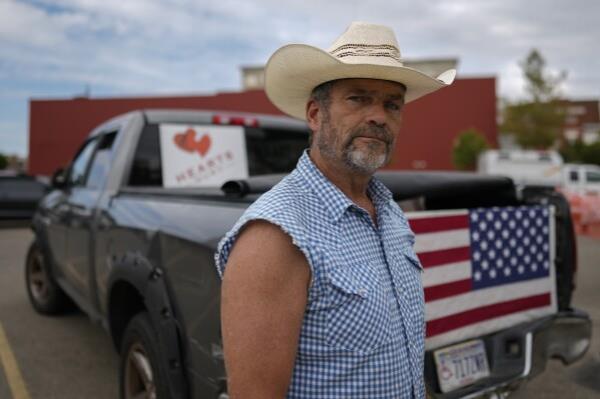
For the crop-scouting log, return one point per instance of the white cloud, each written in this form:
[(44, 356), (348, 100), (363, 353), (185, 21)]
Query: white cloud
[(27, 25), (511, 81), (134, 44)]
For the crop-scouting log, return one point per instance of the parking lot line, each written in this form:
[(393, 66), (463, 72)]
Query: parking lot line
[(11, 368)]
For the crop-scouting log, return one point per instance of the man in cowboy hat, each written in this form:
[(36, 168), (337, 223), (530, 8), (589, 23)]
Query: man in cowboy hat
[(322, 294)]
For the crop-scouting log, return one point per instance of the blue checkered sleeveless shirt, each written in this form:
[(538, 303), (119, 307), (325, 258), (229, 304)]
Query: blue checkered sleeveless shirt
[(363, 331)]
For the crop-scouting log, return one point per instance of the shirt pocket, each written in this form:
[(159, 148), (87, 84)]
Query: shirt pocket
[(358, 316)]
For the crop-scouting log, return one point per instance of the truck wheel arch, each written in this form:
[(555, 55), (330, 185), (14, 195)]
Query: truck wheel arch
[(136, 285), (125, 301)]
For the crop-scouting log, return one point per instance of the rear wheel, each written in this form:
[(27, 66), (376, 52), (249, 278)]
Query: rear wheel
[(45, 295), (142, 374)]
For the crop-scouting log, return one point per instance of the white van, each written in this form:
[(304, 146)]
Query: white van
[(523, 166), (582, 179)]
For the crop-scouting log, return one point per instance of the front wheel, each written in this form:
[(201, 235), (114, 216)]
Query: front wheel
[(142, 376), (45, 295)]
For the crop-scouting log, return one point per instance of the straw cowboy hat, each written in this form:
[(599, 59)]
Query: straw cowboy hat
[(362, 51)]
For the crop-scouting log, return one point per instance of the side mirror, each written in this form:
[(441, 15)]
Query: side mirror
[(59, 178)]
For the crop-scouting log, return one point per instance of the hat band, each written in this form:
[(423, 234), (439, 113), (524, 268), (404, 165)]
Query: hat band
[(367, 50)]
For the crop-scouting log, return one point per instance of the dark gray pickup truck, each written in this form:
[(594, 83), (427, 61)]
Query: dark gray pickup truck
[(129, 231)]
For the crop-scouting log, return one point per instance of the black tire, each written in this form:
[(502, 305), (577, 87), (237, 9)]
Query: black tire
[(44, 293), (142, 374)]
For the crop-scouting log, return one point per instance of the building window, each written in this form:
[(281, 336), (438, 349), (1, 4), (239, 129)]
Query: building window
[(590, 137), (571, 120), (576, 110), (571, 134)]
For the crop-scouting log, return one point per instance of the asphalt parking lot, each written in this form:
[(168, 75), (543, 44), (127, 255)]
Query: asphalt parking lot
[(64, 357), (69, 357)]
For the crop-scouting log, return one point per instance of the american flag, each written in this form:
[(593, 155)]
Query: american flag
[(485, 269)]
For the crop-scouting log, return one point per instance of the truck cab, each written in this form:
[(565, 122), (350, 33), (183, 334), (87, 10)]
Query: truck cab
[(581, 179), (531, 167), (129, 233)]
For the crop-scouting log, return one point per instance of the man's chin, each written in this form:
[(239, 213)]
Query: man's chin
[(365, 163)]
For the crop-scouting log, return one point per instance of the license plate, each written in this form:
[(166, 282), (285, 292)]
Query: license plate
[(461, 364)]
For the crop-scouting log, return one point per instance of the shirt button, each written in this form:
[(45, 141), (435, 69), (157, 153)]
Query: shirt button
[(362, 292)]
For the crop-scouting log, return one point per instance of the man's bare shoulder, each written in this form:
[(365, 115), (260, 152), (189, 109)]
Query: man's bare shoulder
[(263, 236), (262, 249)]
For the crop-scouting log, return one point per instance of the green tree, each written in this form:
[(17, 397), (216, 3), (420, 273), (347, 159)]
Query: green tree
[(3, 161), (537, 121), (572, 152), (591, 153), (467, 147)]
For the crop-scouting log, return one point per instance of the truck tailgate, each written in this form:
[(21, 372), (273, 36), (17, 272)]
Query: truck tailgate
[(485, 269)]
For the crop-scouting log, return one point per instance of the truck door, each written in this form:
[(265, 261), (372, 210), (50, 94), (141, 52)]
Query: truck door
[(83, 199), (60, 212)]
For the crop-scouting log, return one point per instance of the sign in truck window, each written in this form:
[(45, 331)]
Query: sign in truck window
[(202, 155)]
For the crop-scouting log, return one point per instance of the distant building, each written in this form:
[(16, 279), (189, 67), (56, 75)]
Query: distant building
[(253, 77), (582, 121), (57, 127)]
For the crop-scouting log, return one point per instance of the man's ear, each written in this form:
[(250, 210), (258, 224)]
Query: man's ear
[(313, 115)]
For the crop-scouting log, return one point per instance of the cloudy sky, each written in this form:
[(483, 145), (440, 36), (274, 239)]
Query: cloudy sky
[(57, 48)]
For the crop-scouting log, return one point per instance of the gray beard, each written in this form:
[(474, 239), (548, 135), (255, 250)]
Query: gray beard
[(360, 160)]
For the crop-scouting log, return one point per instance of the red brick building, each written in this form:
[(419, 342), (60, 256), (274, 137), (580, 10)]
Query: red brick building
[(58, 127), (582, 120)]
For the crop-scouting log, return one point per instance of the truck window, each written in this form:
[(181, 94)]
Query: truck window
[(268, 151), (274, 150), (101, 161), (79, 166), (592, 177), (147, 169), (574, 175)]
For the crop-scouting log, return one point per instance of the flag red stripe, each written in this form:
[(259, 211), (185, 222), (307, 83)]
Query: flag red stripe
[(444, 324), (439, 223), (444, 256), (448, 289)]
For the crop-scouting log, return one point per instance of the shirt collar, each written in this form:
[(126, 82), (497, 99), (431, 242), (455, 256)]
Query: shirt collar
[(379, 193), (331, 196)]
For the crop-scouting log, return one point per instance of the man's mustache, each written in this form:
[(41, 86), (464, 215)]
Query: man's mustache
[(371, 131)]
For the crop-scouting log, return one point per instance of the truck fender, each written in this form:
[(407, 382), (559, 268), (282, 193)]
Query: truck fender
[(134, 272)]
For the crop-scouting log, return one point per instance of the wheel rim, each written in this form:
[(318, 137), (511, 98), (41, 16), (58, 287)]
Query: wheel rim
[(38, 278), (139, 379)]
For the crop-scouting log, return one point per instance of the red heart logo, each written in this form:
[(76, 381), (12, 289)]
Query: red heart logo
[(203, 145), (187, 142)]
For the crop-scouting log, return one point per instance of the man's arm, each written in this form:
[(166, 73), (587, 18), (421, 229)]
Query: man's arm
[(263, 299)]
